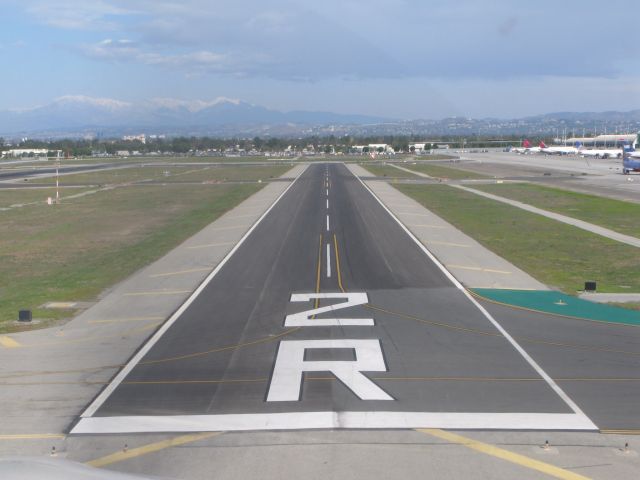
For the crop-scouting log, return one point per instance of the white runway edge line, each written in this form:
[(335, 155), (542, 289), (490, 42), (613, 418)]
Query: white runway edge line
[(310, 420), (572, 405), (328, 260), (102, 397)]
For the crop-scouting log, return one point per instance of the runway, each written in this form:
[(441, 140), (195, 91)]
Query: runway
[(328, 314)]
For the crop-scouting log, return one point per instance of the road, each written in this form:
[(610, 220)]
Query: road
[(328, 314)]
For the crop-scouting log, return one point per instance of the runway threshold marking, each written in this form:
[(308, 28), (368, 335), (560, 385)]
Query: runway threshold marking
[(503, 454), (150, 448), (9, 342)]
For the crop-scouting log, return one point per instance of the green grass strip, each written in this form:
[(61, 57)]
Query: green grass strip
[(623, 217), (559, 255)]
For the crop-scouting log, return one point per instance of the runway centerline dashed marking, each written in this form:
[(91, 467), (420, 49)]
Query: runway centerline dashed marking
[(328, 260), (327, 223)]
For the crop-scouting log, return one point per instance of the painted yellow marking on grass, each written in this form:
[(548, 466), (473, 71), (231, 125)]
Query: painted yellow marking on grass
[(31, 436), (157, 292), (620, 432), (208, 245), (180, 272), (494, 451), (450, 244), (150, 448), (125, 320), (479, 269), (9, 342)]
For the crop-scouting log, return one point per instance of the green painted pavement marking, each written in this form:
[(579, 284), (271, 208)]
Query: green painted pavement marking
[(560, 304)]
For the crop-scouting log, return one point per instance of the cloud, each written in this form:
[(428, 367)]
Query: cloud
[(78, 15), (290, 40), (128, 51)]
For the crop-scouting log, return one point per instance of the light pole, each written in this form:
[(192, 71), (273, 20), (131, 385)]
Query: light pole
[(58, 177)]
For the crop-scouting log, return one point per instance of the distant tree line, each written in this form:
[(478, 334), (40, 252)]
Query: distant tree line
[(187, 145)]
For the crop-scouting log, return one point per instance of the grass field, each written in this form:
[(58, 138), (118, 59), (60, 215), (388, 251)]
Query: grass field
[(73, 251), (25, 196), (623, 217), (440, 171), (557, 254), (172, 174)]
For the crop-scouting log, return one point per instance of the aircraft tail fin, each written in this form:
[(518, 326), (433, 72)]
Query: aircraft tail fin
[(526, 143), (542, 144)]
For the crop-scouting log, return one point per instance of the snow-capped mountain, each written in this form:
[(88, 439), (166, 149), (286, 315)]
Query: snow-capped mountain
[(78, 112)]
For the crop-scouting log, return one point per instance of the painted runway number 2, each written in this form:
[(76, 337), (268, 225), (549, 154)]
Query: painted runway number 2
[(290, 365), (303, 319)]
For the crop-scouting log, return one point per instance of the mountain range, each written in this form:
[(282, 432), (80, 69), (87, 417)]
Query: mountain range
[(162, 115), (82, 116)]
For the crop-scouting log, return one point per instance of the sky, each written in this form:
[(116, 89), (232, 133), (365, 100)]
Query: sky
[(403, 59)]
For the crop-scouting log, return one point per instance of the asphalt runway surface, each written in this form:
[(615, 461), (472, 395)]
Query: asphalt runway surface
[(328, 314)]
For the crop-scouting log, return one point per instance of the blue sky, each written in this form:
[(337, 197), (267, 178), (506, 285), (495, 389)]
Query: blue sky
[(395, 58)]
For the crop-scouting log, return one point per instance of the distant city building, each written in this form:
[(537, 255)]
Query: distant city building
[(600, 140), (142, 138), (26, 152)]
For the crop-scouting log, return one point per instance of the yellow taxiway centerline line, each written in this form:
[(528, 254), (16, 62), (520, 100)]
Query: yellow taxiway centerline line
[(335, 242), (9, 342), (494, 451), (150, 448), (318, 269)]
